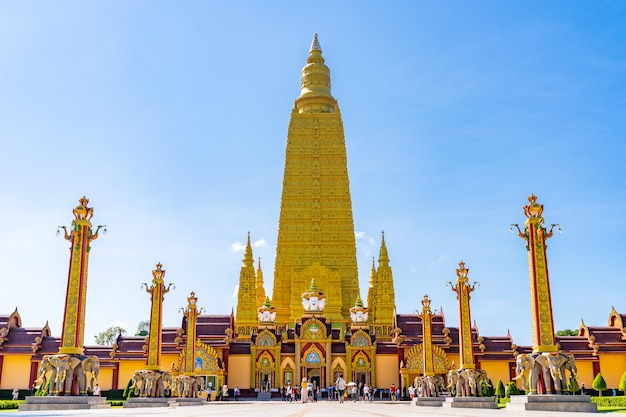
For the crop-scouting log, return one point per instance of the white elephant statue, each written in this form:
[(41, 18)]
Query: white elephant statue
[(539, 378), (70, 375)]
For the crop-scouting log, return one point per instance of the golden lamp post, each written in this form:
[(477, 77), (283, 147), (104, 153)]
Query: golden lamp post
[(535, 235), (157, 292), (81, 235), (463, 290)]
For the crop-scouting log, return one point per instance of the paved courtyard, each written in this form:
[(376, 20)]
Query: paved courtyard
[(319, 409)]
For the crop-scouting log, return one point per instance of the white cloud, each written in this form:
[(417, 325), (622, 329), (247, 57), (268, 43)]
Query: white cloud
[(240, 247), (360, 235), (237, 247)]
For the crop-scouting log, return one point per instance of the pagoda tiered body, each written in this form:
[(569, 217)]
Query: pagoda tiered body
[(315, 324)]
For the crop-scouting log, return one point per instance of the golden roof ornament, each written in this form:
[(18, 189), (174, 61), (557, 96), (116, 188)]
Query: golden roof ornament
[(534, 209)]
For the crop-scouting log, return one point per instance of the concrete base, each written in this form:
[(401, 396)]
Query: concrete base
[(33, 403), (189, 401), (470, 402), (568, 403), (137, 402), (429, 401)]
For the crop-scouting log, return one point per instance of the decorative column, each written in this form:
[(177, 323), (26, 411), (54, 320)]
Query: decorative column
[(190, 313), (463, 290), (73, 335), (157, 291), (427, 338), (536, 235)]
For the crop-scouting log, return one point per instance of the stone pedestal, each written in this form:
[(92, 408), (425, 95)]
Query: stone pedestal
[(568, 403), (137, 402), (63, 403), (429, 401), (470, 402), (189, 401)]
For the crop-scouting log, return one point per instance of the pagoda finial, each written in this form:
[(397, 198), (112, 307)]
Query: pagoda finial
[(247, 258), (315, 94), (383, 258), (315, 45)]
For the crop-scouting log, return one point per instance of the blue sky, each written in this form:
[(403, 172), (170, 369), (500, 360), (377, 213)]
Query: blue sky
[(172, 118)]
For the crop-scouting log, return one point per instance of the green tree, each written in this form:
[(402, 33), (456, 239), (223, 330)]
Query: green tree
[(622, 383), (109, 336), (500, 392), (599, 384), (512, 389), (567, 332), (142, 328)]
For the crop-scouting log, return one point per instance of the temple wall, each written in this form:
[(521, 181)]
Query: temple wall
[(239, 367), (612, 366), (585, 373), (387, 371), (15, 372), (106, 379), (127, 370), (498, 370)]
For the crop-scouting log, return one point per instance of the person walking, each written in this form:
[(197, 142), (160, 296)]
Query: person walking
[(236, 393), (341, 387)]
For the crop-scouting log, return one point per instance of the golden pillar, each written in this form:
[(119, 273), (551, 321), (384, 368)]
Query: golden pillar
[(427, 338), (463, 290), (157, 291), (191, 313), (536, 235), (73, 335)]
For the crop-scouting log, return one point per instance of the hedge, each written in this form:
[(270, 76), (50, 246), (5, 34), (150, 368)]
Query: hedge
[(609, 401)]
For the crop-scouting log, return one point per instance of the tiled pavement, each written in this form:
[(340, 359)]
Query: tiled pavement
[(281, 409)]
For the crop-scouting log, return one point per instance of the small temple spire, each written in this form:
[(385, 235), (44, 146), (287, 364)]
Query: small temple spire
[(247, 258), (260, 290), (383, 258)]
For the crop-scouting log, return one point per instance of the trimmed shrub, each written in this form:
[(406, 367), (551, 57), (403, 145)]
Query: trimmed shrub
[(599, 384), (500, 391)]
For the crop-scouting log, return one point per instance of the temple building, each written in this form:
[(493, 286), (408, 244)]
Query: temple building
[(314, 325)]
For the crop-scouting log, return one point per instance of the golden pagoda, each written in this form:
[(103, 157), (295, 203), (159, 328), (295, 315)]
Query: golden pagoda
[(315, 229)]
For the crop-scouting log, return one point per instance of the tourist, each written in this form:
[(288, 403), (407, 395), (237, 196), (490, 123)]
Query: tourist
[(315, 390), (289, 392), (393, 392), (16, 394), (209, 391), (366, 393), (283, 393), (304, 394), (341, 387), (354, 391), (236, 393), (411, 392), (225, 392), (96, 391), (331, 394)]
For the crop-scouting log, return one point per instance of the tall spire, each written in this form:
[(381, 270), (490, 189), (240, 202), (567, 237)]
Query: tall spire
[(315, 94), (315, 227)]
